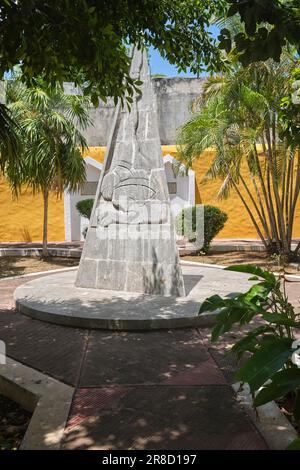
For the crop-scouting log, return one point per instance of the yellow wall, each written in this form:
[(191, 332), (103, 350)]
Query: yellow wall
[(239, 224), (21, 220), (95, 152)]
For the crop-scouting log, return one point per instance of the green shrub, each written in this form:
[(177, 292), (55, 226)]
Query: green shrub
[(85, 207), (214, 221), (271, 370)]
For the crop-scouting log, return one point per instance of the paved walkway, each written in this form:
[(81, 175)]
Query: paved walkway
[(151, 390)]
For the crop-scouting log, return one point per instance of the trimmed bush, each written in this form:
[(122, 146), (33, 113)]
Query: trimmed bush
[(214, 221), (85, 207)]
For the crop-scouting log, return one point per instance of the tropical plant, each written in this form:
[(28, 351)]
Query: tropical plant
[(290, 109), (85, 207), (240, 117), (294, 445), (271, 370), (10, 144), (48, 121), (85, 40), (268, 26), (214, 221)]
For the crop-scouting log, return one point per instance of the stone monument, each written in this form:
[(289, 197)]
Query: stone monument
[(129, 276), (130, 245)]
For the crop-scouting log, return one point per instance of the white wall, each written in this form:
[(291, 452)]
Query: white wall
[(74, 223), (185, 195)]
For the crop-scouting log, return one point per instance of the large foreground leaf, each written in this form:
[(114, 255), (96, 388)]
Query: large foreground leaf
[(280, 319), (264, 363), (255, 270), (283, 382), (295, 445)]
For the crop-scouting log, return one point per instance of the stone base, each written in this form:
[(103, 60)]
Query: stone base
[(55, 299), (131, 258)]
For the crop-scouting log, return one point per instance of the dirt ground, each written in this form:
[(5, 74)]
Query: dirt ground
[(15, 265), (241, 257), (14, 421)]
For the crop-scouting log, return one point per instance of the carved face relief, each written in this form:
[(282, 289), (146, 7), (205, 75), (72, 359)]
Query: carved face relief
[(123, 181), (125, 191)]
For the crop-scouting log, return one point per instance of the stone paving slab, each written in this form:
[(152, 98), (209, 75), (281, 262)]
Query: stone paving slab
[(158, 417), (51, 349), (174, 357)]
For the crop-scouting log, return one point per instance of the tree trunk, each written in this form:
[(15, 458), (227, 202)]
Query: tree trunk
[(45, 253)]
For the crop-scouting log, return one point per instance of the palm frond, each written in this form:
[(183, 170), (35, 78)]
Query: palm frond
[(48, 123), (10, 143)]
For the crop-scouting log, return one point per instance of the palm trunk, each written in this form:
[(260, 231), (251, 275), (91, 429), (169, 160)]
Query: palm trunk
[(259, 214), (250, 214), (45, 253), (271, 216), (272, 176), (268, 197)]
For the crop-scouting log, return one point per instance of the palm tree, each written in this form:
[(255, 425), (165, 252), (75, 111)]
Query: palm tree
[(10, 144), (48, 121), (240, 117)]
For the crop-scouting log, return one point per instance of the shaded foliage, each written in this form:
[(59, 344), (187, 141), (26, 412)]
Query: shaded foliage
[(240, 115), (214, 221), (48, 123), (268, 26), (270, 368), (85, 207), (85, 40)]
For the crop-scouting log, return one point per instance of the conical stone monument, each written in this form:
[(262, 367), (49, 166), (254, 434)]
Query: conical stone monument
[(130, 245), (130, 248)]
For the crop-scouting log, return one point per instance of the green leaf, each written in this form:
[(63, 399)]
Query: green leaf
[(265, 362), (211, 303), (217, 331), (283, 382), (260, 291), (294, 445), (246, 344), (255, 270), (229, 315), (250, 340), (280, 319)]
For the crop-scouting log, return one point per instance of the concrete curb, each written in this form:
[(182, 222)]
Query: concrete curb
[(47, 398), (207, 265), (223, 266), (271, 423)]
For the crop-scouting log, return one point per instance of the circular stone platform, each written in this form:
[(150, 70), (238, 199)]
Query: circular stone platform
[(55, 299)]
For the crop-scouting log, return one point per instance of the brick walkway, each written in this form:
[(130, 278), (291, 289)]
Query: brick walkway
[(150, 390)]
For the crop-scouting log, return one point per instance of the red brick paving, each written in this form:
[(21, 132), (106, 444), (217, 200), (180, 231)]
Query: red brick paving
[(87, 401), (159, 417), (151, 390)]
